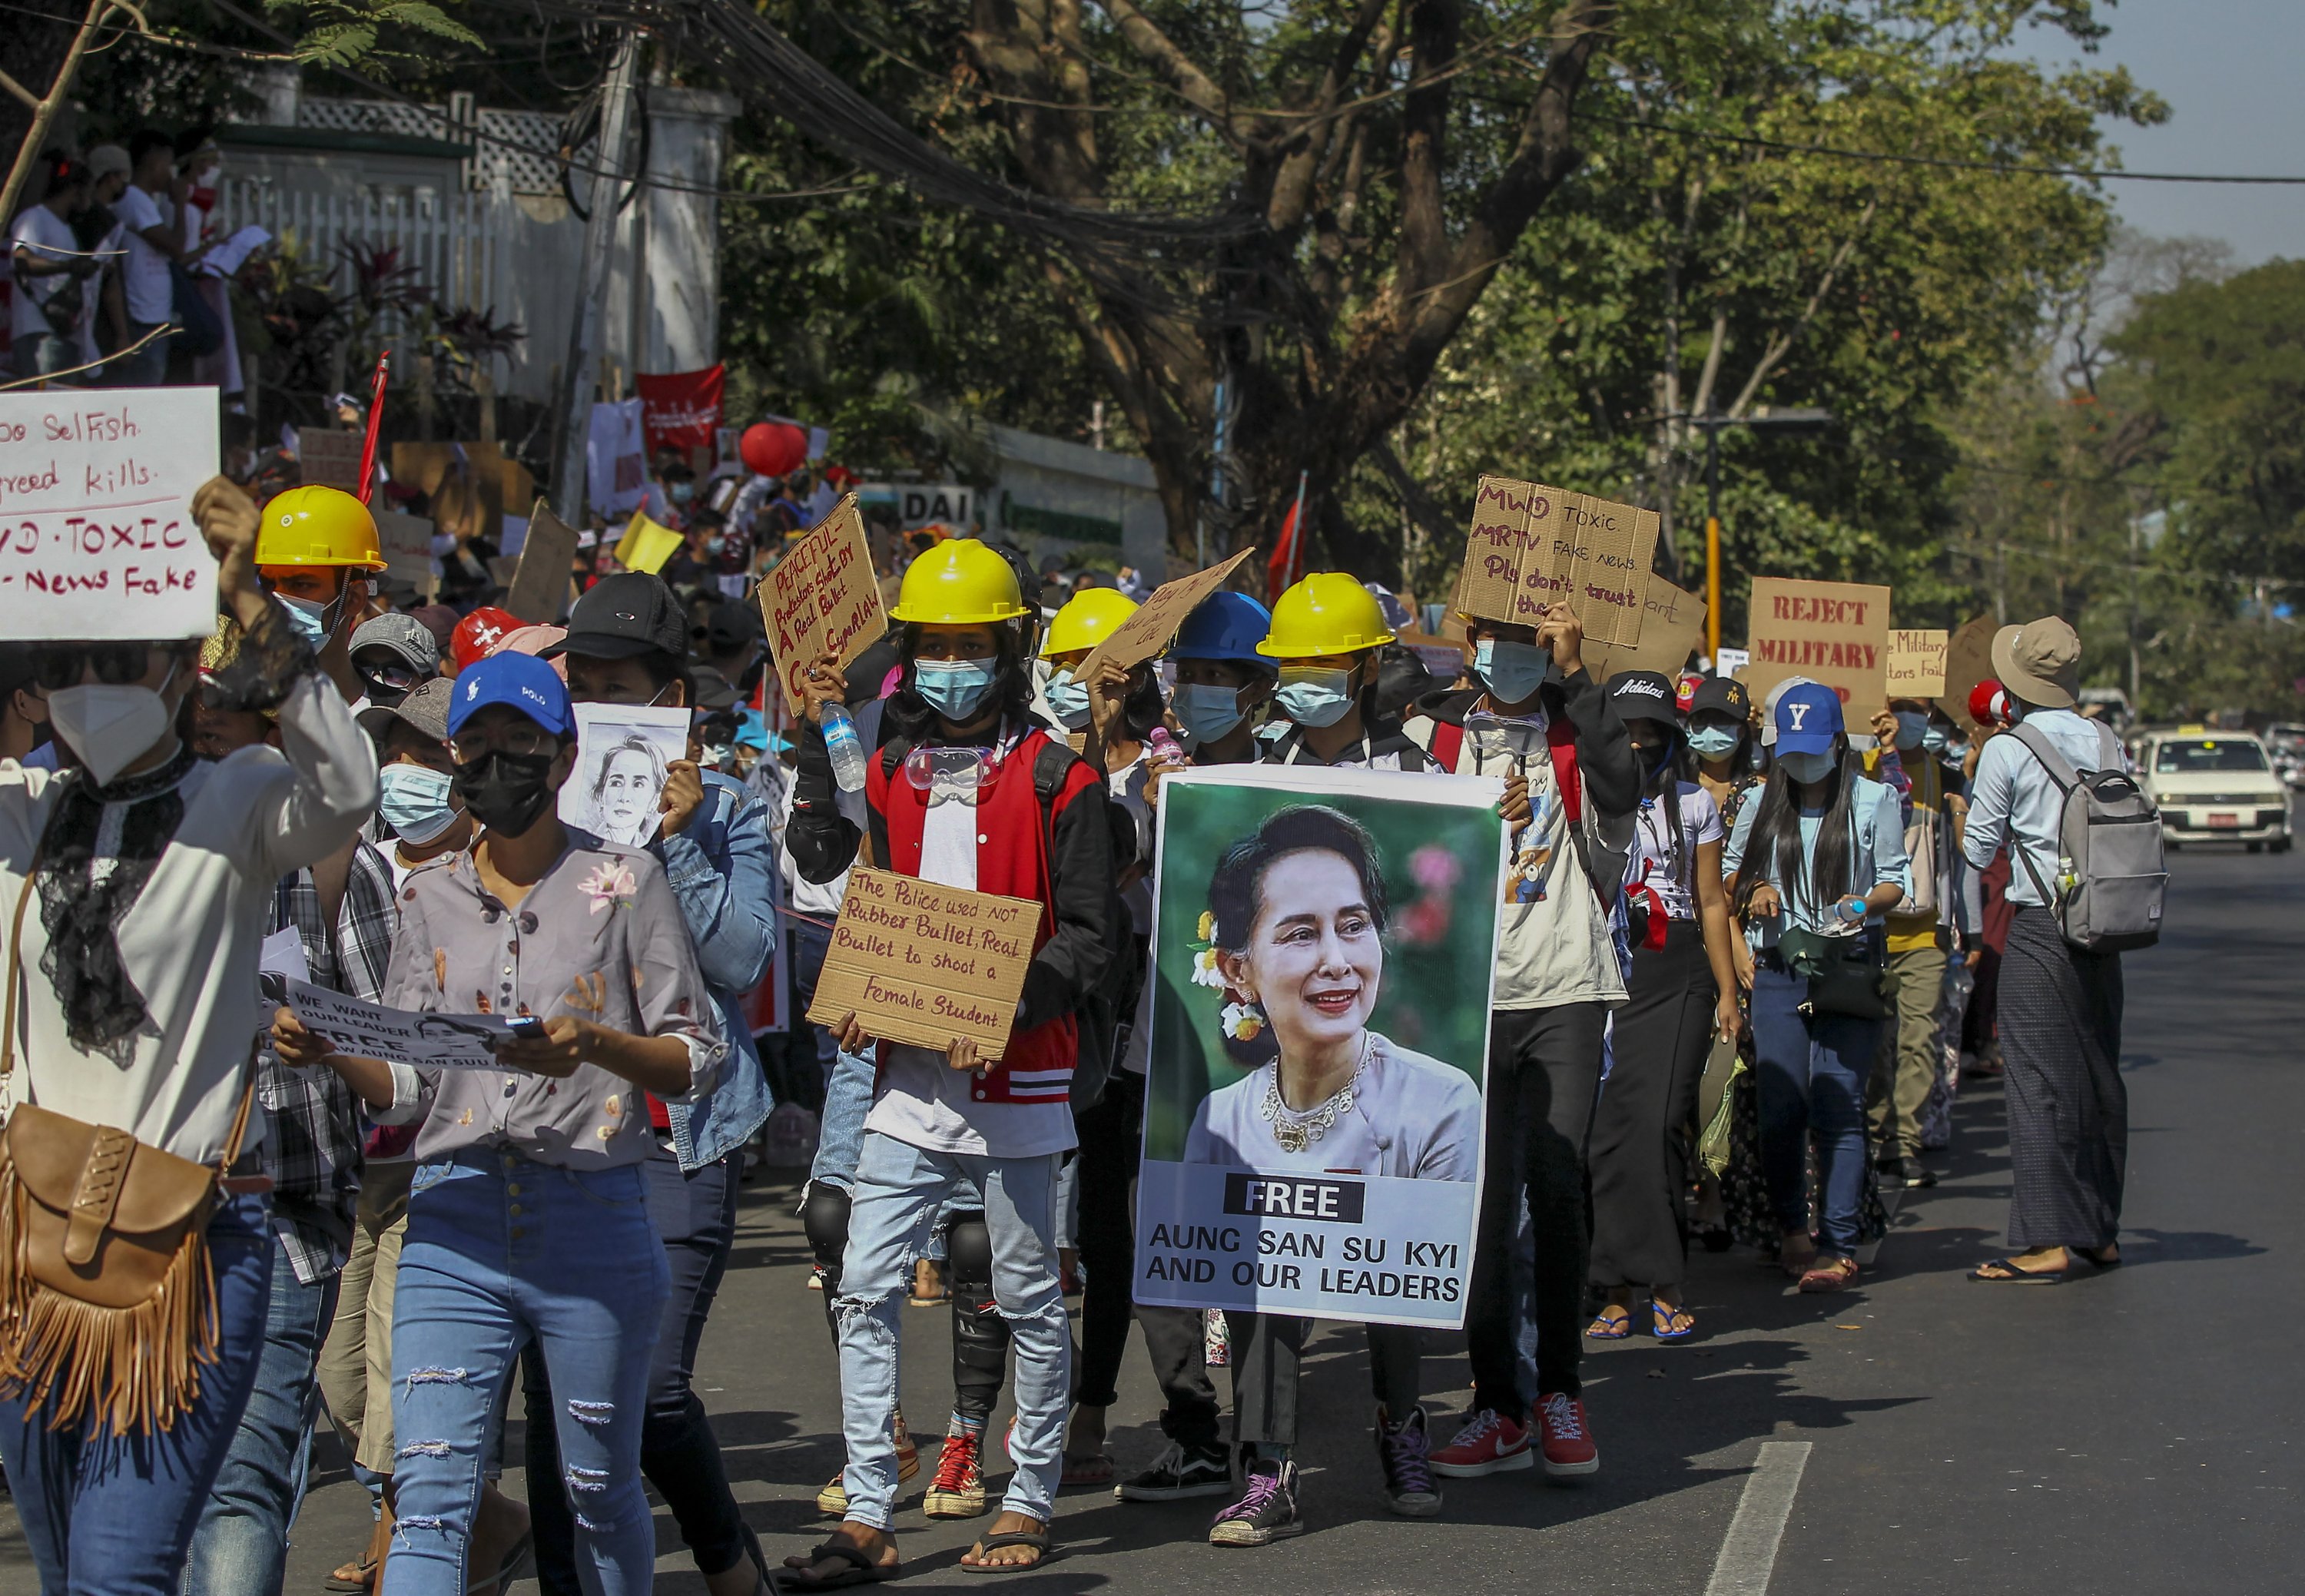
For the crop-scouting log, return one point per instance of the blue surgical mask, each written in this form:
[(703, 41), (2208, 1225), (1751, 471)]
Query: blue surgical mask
[(714, 544), (1955, 753), (1513, 670), (955, 688), (682, 493), (1933, 739), (1207, 713), (1714, 742), (1807, 767), (1912, 726), (1314, 695), (414, 801), (308, 618), (1067, 700)]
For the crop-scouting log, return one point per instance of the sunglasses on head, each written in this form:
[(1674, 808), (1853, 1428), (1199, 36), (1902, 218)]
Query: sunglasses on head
[(55, 666)]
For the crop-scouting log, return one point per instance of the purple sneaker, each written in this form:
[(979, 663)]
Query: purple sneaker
[(1266, 1511), (1404, 1452)]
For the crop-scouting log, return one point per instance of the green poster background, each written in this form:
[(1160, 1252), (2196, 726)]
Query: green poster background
[(1442, 871)]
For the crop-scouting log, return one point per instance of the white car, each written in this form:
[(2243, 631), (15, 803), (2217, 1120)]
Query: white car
[(2216, 787)]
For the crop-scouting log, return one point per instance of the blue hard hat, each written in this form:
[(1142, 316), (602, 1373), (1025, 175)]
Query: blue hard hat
[(1227, 626)]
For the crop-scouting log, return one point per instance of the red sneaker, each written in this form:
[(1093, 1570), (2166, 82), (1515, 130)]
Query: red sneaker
[(1568, 1446), (1490, 1443)]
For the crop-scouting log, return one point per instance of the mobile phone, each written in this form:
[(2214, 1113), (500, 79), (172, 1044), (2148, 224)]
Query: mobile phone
[(528, 1027)]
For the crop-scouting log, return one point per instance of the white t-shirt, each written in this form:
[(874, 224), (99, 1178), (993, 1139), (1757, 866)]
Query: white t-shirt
[(1657, 864), (45, 235), (1552, 941), (923, 1101), (152, 295)]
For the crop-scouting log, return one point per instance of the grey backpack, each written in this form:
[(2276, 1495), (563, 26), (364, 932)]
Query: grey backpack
[(2111, 872)]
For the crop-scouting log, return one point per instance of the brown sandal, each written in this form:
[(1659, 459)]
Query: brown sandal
[(1835, 1276)]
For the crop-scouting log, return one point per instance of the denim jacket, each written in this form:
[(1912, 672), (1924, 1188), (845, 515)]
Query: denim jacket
[(722, 872)]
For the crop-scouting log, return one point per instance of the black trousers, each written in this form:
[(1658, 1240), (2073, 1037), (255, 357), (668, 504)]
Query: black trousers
[(1642, 1127), (1544, 1071), (1111, 1141), (2068, 1107)]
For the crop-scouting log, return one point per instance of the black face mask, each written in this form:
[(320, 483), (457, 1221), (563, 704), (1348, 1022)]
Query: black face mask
[(506, 792)]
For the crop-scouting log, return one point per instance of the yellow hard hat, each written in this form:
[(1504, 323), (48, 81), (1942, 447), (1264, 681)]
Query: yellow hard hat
[(317, 526), (1092, 615), (1326, 613), (959, 583)]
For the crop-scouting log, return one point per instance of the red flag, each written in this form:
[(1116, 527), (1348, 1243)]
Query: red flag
[(680, 409), (1281, 570)]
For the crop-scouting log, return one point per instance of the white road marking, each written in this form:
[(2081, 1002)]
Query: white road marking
[(1749, 1553)]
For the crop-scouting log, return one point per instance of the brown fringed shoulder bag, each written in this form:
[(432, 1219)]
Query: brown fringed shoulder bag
[(108, 1297)]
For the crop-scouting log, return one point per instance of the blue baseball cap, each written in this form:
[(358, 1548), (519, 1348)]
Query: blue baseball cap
[(1809, 718), (1225, 626), (522, 682)]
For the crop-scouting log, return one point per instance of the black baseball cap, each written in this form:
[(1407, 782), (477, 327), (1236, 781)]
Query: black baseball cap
[(1644, 696), (730, 627), (1721, 694), (629, 613)]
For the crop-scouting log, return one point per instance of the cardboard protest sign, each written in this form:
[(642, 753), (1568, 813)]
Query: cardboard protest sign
[(1836, 632), (463, 484), (1672, 624), (623, 752), (1271, 1181), (1968, 660), (1729, 662), (329, 457), (646, 544), (539, 591), (1155, 621), (400, 1035), (406, 541), (1533, 546), (97, 536), (922, 964), (1916, 663), (821, 598)]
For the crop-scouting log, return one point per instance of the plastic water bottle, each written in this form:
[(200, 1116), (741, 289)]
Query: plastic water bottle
[(847, 747)]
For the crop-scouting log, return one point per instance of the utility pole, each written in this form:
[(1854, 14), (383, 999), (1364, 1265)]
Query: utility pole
[(2136, 663), (591, 282), (1216, 479)]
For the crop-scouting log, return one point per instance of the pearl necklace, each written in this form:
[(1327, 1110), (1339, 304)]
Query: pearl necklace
[(1297, 1132)]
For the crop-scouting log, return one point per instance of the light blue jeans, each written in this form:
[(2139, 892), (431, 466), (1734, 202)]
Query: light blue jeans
[(898, 1194), (501, 1252)]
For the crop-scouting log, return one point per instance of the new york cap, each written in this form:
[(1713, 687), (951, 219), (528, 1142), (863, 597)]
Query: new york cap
[(1809, 718)]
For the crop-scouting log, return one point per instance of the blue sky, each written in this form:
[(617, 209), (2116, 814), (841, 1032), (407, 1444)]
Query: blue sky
[(2228, 69)]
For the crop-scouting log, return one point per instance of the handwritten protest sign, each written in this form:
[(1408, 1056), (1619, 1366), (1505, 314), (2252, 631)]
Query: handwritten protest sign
[(402, 1036), (1916, 663), (1533, 546), (922, 964), (538, 590), (1836, 632), (1968, 660), (406, 541), (1671, 623), (1147, 632), (821, 598), (97, 536), (329, 457)]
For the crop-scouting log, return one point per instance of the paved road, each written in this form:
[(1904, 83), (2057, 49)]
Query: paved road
[(2127, 1433)]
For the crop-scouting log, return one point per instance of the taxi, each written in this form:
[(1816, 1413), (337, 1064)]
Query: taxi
[(2214, 786)]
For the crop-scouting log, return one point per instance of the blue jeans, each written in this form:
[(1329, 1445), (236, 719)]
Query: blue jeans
[(147, 367), (111, 1515), (242, 1543), (899, 1192), (501, 1252), (1811, 1084), (840, 1133)]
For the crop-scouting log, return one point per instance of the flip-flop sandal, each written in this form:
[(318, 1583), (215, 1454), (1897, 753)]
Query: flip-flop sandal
[(862, 1570), (362, 1579), (1036, 1539), (2011, 1275), (1609, 1327), (1096, 1469), (1660, 1320), (1837, 1275), (2096, 1258)]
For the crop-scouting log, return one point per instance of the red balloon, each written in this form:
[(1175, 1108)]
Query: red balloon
[(772, 448)]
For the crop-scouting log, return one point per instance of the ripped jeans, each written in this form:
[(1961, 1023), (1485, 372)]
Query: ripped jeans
[(501, 1252), (899, 1192)]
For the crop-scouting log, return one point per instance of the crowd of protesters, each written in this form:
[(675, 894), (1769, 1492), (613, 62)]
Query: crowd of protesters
[(374, 778)]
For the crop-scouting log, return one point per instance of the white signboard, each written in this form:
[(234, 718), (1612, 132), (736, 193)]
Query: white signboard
[(399, 1036), (923, 504), (97, 536)]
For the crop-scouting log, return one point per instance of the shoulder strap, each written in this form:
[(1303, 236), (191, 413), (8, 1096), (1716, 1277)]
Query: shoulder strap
[(2060, 770), (2109, 747), (16, 968), (1448, 744), (1560, 741)]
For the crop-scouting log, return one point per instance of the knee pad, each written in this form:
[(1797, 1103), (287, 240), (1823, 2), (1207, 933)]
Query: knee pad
[(968, 1251), (824, 1215)]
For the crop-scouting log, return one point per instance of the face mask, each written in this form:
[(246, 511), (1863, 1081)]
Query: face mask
[(1807, 767), (1933, 739), (1513, 670), (714, 545), (506, 792), (308, 618), (107, 727), (1068, 699), (1314, 695), (955, 688), (682, 493), (1956, 753), (719, 757), (414, 800), (1912, 726), (1713, 742), (1207, 713)]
